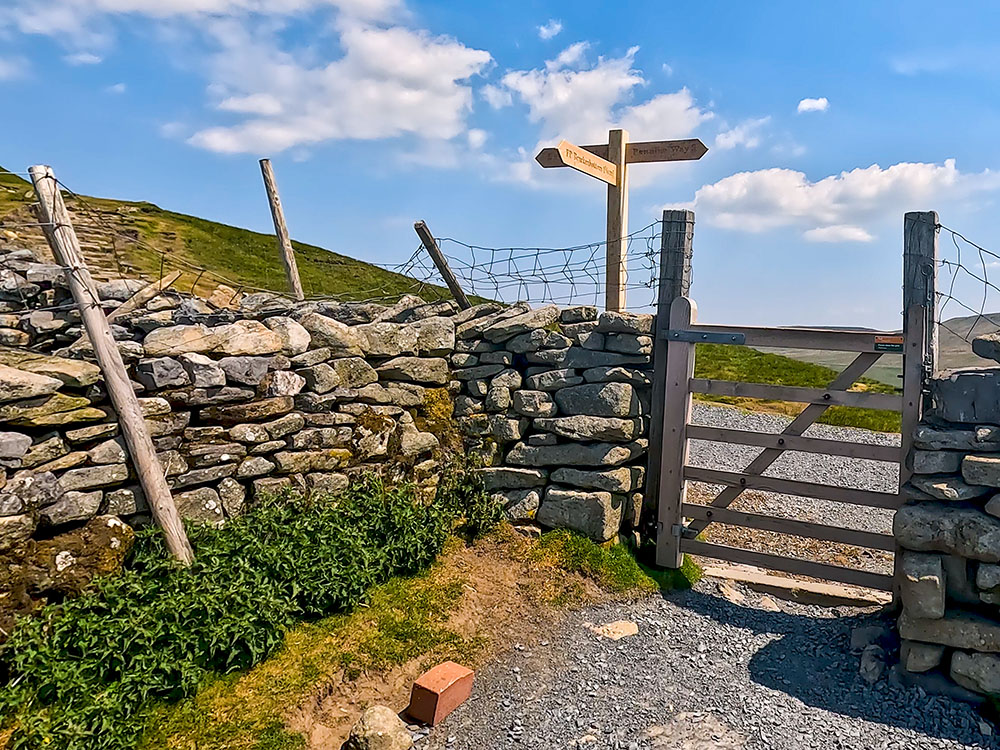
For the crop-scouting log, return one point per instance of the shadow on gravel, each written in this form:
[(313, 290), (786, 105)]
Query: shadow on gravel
[(811, 660)]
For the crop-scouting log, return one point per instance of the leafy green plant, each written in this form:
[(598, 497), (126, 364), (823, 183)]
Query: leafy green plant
[(86, 673)]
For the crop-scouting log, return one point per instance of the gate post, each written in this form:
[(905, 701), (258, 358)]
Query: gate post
[(673, 426), (920, 334), (676, 250)]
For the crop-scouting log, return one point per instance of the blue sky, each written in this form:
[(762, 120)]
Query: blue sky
[(825, 123)]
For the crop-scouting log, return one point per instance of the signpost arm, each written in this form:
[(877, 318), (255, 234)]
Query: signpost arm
[(616, 274)]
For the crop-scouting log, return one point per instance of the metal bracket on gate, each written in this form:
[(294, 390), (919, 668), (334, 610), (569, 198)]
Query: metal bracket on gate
[(697, 337)]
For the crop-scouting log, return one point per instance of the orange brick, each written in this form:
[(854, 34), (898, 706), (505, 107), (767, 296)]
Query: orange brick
[(439, 691)]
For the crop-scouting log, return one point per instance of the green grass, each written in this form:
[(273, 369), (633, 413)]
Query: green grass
[(403, 619), (87, 672), (613, 567), (722, 362)]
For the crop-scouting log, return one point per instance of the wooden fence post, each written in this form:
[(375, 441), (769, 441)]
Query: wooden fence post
[(676, 415), (65, 246), (281, 229), (431, 245), (616, 272), (920, 335), (676, 250)]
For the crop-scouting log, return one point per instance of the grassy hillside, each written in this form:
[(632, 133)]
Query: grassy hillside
[(722, 362), (138, 239)]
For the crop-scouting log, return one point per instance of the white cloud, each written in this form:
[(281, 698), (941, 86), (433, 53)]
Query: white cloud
[(497, 97), (117, 88), (822, 104), (838, 233), (573, 99), (580, 99), (253, 104), (12, 68), (477, 137), (85, 21), (746, 134), (83, 58), (390, 81), (550, 29), (838, 208)]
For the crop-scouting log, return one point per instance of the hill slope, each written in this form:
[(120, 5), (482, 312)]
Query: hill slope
[(140, 239)]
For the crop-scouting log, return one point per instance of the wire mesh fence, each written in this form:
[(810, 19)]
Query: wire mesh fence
[(115, 246), (565, 276), (968, 299)]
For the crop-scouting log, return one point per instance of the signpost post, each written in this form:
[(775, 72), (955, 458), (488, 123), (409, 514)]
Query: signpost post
[(609, 162)]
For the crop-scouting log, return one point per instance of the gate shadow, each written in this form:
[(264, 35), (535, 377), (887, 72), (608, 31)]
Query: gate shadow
[(811, 660)]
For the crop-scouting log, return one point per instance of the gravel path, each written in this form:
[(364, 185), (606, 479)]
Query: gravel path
[(808, 467), (702, 673)]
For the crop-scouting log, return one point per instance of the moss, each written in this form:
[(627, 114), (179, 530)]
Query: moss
[(436, 416)]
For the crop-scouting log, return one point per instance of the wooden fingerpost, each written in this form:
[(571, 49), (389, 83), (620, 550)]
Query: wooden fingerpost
[(281, 229), (920, 335), (430, 244), (676, 415), (58, 228), (676, 250), (616, 273)]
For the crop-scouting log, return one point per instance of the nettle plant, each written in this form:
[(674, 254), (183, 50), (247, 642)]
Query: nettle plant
[(87, 671)]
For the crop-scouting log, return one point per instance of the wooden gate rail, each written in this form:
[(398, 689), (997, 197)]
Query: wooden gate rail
[(836, 494), (827, 339), (788, 564), (860, 399), (791, 526), (794, 443)]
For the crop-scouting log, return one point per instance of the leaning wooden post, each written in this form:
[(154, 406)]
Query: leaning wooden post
[(616, 273), (281, 229), (920, 335), (431, 245), (676, 250), (66, 249), (676, 415)]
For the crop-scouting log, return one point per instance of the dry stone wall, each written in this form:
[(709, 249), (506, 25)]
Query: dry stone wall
[(248, 394), (948, 569)]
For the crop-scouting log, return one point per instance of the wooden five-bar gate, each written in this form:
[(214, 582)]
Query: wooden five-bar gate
[(679, 523)]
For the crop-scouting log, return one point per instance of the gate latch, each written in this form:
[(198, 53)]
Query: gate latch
[(699, 337)]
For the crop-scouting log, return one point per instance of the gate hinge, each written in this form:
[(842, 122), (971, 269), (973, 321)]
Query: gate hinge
[(699, 337)]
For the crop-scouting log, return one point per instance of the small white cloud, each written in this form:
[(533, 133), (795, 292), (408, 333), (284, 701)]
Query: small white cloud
[(477, 138), (172, 129), (838, 233), (814, 105), (118, 88), (11, 68), (746, 134), (83, 58), (254, 104), (497, 97), (667, 69), (550, 29)]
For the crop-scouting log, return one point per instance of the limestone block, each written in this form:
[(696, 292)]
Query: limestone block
[(948, 487), (553, 380), (922, 584), (202, 505), (203, 371), (596, 515), (519, 505), (621, 480), (599, 399), (429, 370), (958, 629), (978, 672), (937, 462), (534, 404), (332, 335), (943, 527), (583, 427), (508, 477), (295, 339), (592, 454), (920, 657)]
